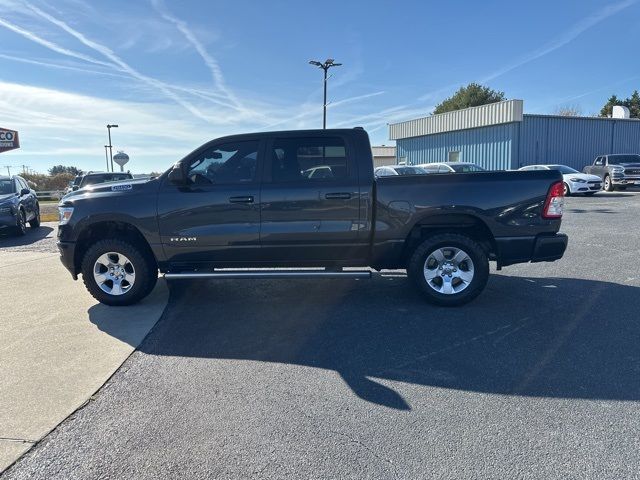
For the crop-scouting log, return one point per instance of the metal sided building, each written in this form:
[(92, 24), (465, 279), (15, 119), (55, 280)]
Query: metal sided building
[(499, 136)]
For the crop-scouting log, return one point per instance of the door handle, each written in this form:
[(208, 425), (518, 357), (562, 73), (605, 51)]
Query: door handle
[(338, 196), (246, 199)]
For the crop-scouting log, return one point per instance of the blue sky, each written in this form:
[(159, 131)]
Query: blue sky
[(176, 74)]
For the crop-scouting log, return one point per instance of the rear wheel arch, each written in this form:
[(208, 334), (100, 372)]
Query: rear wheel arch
[(462, 224)]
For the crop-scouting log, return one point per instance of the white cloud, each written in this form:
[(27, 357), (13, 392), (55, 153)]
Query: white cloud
[(568, 36)]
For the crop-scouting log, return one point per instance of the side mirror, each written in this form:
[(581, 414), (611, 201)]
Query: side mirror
[(75, 187), (25, 191), (177, 175)]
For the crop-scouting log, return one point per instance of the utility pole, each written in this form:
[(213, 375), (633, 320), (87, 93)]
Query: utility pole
[(8, 167), (106, 156), (328, 63), (109, 127)]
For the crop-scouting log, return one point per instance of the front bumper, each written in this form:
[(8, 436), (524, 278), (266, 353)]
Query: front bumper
[(585, 187), (7, 219), (67, 257), (541, 248), (628, 181)]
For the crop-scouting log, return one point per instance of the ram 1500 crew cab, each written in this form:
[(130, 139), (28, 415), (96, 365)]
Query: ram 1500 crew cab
[(307, 201)]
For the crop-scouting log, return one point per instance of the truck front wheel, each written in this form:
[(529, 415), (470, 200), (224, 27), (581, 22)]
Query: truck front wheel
[(608, 184), (118, 273), (449, 269)]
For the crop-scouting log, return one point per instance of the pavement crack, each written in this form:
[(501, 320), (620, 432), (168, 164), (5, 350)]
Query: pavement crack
[(18, 440)]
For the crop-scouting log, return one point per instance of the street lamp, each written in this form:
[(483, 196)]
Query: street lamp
[(328, 63), (109, 127)]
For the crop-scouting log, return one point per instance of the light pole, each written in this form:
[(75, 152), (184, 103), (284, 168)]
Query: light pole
[(328, 63), (109, 127), (106, 155)]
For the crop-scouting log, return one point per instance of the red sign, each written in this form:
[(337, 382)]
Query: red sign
[(8, 140)]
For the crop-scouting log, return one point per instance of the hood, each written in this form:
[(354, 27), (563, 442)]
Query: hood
[(6, 196), (124, 187), (583, 176)]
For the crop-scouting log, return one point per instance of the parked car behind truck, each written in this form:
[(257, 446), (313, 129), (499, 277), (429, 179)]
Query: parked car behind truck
[(18, 205), (245, 202), (617, 171), (574, 181)]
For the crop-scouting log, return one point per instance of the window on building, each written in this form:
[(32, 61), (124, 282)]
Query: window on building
[(454, 156)]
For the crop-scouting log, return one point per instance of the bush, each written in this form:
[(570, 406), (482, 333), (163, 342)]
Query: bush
[(41, 182)]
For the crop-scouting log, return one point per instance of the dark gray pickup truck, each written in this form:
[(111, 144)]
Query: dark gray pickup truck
[(617, 171), (307, 202)]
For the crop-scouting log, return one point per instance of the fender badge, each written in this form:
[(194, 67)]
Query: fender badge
[(118, 188), (183, 239)]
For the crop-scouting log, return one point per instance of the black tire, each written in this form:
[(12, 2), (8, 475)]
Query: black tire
[(146, 272), (21, 223), (416, 266), (567, 190), (35, 222), (607, 186)]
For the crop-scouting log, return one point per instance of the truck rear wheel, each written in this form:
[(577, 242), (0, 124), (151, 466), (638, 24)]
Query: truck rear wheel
[(118, 273), (449, 269)]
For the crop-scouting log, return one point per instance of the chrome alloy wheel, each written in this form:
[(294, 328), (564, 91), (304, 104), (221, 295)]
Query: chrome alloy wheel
[(448, 270), (114, 273)]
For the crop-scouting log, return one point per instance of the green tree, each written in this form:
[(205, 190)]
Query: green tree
[(632, 103), (472, 95), (64, 169)]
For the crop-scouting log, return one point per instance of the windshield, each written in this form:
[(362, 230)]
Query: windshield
[(6, 186), (77, 180), (466, 168), (563, 169), (111, 177), (618, 159), (410, 170)]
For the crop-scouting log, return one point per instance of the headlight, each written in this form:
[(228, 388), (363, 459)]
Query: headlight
[(618, 169), (65, 214), (579, 180)]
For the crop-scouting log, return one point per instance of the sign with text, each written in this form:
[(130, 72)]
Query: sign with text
[(8, 140)]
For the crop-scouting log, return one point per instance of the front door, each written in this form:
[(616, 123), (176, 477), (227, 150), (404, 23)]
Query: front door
[(310, 205), (214, 219)]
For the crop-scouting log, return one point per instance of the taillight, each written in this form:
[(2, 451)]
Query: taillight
[(554, 204)]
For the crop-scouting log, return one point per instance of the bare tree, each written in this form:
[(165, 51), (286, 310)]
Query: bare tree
[(569, 111)]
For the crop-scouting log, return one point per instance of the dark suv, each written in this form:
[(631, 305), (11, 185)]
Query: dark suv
[(92, 178), (18, 205)]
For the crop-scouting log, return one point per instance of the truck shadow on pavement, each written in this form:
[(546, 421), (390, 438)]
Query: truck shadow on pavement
[(547, 337), (9, 239)]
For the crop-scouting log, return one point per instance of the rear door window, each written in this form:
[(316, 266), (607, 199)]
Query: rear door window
[(309, 160)]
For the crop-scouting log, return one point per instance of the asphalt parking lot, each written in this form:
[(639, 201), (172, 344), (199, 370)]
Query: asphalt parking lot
[(538, 378)]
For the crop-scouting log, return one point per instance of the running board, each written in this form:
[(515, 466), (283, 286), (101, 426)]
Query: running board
[(226, 274)]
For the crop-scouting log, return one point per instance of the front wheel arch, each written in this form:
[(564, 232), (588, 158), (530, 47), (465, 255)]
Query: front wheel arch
[(107, 230)]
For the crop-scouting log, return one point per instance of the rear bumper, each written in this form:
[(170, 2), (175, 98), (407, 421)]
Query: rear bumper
[(541, 248), (67, 252)]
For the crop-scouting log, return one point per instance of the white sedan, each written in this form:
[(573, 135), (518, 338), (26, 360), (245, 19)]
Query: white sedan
[(574, 181)]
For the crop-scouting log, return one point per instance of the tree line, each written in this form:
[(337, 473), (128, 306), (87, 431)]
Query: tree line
[(474, 94)]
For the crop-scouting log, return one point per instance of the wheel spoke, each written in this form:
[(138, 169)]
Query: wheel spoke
[(466, 277), (117, 288), (438, 255), (101, 277), (103, 260), (459, 257), (430, 274), (447, 287)]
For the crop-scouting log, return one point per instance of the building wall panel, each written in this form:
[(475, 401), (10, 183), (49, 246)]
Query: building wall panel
[(489, 147)]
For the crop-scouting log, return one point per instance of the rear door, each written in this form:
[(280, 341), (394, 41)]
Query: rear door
[(310, 210), (215, 218)]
